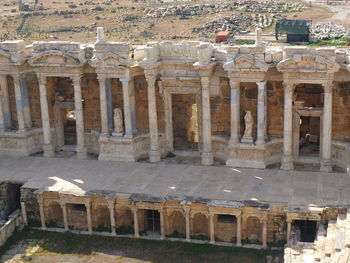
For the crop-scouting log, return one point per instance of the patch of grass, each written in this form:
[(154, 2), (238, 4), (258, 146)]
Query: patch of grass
[(155, 251), (176, 234), (101, 228), (327, 42), (125, 230), (200, 237), (244, 42)]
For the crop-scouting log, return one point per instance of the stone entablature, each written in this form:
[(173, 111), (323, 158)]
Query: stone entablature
[(187, 67)]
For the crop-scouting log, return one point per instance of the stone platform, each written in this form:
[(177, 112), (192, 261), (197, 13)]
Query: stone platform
[(77, 177)]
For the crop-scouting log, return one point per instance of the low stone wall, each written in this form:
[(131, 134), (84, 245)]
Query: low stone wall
[(15, 221), (341, 154), (18, 144), (220, 144)]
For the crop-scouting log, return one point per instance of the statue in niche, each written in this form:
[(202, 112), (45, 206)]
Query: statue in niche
[(248, 120), (118, 122)]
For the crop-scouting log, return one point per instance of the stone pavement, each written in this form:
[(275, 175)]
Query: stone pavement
[(292, 188)]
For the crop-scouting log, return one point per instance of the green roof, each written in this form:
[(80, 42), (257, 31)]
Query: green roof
[(286, 26)]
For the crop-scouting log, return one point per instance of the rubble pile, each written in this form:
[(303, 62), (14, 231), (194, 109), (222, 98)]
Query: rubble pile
[(185, 10), (263, 20), (329, 31), (270, 6), (234, 23)]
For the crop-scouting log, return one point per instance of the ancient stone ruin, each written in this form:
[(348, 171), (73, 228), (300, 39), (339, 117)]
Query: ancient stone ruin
[(235, 107)]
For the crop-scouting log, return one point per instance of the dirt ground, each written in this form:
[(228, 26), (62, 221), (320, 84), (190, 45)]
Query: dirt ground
[(56, 247)]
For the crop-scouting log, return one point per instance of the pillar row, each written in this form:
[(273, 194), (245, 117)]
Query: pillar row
[(45, 119), (79, 114), (154, 154)]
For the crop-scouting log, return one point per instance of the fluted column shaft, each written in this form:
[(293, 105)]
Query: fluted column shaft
[(79, 115), (19, 103), (88, 214), (65, 218), (207, 154), (211, 228), (235, 108), (187, 218), (154, 154), (287, 159), (5, 102), (45, 118), (261, 122), (126, 102), (239, 230), (103, 105), (136, 222), (326, 162)]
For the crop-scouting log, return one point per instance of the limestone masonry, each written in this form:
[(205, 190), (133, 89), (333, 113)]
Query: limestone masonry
[(253, 106)]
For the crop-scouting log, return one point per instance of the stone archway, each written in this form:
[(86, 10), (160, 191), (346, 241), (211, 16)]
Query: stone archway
[(176, 225), (200, 227), (253, 230)]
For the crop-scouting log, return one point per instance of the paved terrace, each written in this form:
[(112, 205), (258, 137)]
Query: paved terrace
[(292, 188)]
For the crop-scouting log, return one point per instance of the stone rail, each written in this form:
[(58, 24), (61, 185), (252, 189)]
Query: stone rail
[(14, 222)]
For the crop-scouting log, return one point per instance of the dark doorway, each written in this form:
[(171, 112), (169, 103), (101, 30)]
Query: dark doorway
[(185, 121), (152, 218), (309, 140), (70, 134), (305, 230)]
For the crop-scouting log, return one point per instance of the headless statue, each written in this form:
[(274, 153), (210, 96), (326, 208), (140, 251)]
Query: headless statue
[(248, 119), (118, 121)]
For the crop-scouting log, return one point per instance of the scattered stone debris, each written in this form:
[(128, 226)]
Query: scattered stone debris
[(234, 23), (329, 31), (129, 17)]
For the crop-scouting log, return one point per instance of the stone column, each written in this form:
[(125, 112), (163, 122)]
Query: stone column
[(2, 116), (136, 223), (111, 213), (287, 159), (162, 229), (42, 212), (5, 101), (79, 115), (133, 106), (24, 213), (264, 233), (154, 153), (207, 154), (25, 102), (88, 214), (239, 230), (211, 228), (65, 218), (326, 162), (235, 116), (261, 122), (187, 217), (19, 103), (45, 119), (289, 229), (126, 102), (103, 105)]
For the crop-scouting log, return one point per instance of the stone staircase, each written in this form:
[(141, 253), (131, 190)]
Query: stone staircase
[(332, 245)]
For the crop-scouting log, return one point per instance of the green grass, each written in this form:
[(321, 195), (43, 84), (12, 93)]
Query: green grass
[(244, 42), (328, 42), (53, 243)]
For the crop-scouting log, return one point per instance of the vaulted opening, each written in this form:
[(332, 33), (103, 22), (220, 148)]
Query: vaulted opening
[(305, 230)]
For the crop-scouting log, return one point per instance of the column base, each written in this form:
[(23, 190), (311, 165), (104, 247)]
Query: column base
[(154, 156), (212, 242), (287, 163), (81, 153), (238, 244), (207, 158), (49, 150), (326, 166)]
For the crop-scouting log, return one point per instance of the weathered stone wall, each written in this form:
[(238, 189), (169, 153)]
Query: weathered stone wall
[(9, 199), (77, 216), (91, 95), (225, 230), (141, 102), (275, 104), (341, 111), (220, 109), (32, 206), (248, 102)]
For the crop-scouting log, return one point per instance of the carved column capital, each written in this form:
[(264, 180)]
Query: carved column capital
[(289, 86), (261, 85), (234, 84), (328, 87), (76, 79), (42, 79)]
